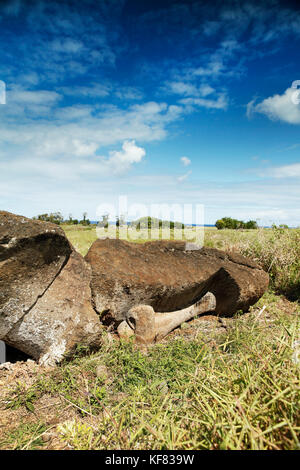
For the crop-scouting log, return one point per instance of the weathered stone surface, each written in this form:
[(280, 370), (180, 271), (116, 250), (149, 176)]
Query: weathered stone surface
[(45, 297), (124, 330), (166, 276), (62, 318), (32, 253)]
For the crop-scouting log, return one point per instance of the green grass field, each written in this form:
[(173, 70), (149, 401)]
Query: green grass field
[(238, 389)]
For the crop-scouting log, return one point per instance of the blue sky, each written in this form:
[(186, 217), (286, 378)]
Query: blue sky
[(165, 102)]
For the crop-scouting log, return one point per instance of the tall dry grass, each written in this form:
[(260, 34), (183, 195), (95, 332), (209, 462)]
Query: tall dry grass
[(276, 250)]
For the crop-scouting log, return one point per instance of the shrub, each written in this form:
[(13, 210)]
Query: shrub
[(228, 222), (54, 217)]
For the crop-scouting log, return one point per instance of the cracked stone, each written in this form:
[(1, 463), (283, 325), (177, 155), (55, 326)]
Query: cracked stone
[(45, 297)]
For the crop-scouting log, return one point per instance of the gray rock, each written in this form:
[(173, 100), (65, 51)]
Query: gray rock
[(45, 297), (169, 277)]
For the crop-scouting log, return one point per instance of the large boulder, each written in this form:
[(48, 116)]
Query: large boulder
[(168, 276), (45, 297)]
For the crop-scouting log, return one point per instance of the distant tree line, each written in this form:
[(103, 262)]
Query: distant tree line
[(54, 217), (228, 222), (153, 222), (57, 218), (84, 220)]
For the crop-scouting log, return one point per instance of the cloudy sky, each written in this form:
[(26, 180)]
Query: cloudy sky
[(183, 102)]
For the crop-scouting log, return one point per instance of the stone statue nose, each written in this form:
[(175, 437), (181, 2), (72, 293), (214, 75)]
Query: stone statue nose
[(150, 326)]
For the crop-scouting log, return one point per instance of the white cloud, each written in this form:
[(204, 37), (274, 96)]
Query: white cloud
[(214, 67), (292, 147), (185, 160), (278, 107), (67, 46), (50, 149), (221, 62), (130, 153), (128, 93), (26, 97), (2, 92), (220, 103), (83, 149), (192, 82), (95, 90), (184, 177), (205, 89), (31, 78), (182, 88), (285, 171), (27, 104), (188, 89), (53, 33), (54, 132), (102, 90), (31, 186), (75, 112), (73, 168)]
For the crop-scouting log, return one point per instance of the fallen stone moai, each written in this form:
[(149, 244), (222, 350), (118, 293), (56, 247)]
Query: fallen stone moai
[(168, 277), (52, 299), (45, 297), (149, 326)]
